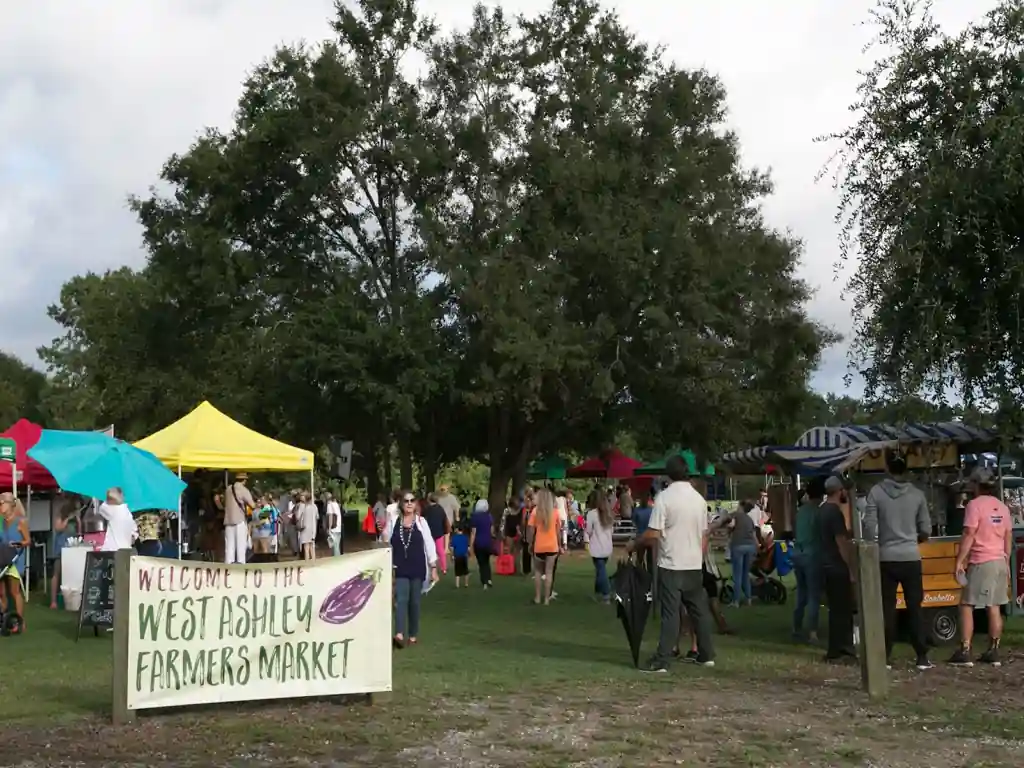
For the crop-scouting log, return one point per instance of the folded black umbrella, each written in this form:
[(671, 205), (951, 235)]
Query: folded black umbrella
[(632, 586)]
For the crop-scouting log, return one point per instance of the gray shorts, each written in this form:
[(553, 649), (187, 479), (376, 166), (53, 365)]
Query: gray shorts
[(987, 584)]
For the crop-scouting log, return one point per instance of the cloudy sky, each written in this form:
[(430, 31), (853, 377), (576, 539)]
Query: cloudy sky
[(95, 96)]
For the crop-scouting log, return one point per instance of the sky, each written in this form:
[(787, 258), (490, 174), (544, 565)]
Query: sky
[(94, 97)]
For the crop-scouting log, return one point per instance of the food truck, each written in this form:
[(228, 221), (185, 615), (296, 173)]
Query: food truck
[(934, 460)]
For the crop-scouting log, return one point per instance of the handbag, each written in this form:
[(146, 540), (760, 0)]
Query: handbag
[(505, 564)]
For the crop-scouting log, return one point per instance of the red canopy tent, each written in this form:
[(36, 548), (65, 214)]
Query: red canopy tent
[(30, 472), (612, 464)]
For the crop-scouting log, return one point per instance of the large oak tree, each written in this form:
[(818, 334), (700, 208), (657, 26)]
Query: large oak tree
[(547, 238), (933, 206), (603, 240)]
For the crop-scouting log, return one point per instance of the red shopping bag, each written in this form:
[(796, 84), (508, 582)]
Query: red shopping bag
[(370, 524), (505, 565)]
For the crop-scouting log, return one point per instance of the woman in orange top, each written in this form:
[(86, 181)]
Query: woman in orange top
[(545, 535)]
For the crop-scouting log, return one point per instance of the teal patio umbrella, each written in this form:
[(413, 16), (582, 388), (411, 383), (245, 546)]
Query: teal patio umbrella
[(658, 467), (90, 463)]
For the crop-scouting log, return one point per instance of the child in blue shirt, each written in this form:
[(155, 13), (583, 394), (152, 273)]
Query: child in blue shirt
[(460, 549)]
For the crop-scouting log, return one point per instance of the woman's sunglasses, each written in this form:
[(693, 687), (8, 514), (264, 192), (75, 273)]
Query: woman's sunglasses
[(409, 500)]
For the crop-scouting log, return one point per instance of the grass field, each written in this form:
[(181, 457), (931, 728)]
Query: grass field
[(497, 681)]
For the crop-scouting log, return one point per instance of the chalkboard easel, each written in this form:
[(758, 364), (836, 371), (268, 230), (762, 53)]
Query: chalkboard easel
[(97, 609)]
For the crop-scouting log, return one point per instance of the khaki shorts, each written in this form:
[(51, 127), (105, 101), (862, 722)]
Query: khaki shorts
[(987, 584)]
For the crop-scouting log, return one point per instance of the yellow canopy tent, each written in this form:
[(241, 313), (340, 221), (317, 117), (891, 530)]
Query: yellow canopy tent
[(207, 438)]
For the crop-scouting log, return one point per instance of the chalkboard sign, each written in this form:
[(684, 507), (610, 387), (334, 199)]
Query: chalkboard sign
[(97, 592)]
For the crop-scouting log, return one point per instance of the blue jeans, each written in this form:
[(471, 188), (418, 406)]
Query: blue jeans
[(808, 593), (742, 559), (407, 606), (601, 584)]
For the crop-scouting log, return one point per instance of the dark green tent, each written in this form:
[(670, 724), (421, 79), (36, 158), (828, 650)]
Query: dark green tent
[(548, 468), (658, 467)]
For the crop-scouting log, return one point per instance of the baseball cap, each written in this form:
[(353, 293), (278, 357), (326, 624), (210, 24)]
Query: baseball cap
[(833, 484)]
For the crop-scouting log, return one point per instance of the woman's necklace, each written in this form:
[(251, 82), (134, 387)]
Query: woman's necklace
[(405, 534)]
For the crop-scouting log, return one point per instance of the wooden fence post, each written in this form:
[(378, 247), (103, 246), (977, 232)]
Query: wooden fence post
[(119, 679), (874, 676)]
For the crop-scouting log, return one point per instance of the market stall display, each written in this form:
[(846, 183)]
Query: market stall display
[(933, 453), (206, 438)]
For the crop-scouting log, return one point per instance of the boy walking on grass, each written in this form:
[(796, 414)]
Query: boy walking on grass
[(460, 551)]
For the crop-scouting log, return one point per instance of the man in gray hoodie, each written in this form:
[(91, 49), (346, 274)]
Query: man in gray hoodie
[(896, 515)]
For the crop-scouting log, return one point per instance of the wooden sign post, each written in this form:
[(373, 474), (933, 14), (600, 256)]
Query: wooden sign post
[(97, 609), (121, 564)]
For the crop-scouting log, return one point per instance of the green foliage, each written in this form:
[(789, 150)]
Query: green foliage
[(22, 389), (547, 241), (933, 199)]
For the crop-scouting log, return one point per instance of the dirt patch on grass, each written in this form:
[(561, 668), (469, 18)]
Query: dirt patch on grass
[(815, 717)]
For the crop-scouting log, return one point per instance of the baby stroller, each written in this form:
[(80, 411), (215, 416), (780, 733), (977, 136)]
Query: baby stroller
[(10, 558), (575, 534), (764, 586)]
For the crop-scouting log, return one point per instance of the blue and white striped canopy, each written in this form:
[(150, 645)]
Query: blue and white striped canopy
[(794, 459), (856, 434), (826, 450)]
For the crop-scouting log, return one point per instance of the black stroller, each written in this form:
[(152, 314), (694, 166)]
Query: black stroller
[(10, 622)]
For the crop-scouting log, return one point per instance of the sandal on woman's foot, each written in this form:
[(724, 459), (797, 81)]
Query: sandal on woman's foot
[(413, 641), (398, 642)]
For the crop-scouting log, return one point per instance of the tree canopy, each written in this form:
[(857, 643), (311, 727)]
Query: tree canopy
[(547, 237), (933, 207)]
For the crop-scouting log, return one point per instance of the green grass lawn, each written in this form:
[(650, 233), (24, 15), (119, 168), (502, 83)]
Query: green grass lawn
[(498, 681)]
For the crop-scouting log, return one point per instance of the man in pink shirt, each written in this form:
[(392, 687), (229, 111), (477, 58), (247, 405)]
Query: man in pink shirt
[(985, 559)]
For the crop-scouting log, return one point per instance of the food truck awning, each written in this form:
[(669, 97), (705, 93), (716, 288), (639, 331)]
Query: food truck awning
[(859, 434), (828, 450)]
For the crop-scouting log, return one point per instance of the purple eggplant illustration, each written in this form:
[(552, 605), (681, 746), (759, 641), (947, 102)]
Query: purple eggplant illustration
[(345, 601)]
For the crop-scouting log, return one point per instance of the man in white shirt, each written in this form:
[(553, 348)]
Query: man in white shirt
[(449, 503), (679, 530), (238, 503), (122, 530), (333, 510)]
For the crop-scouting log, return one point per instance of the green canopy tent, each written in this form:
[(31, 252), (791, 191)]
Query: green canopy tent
[(658, 467), (548, 468)]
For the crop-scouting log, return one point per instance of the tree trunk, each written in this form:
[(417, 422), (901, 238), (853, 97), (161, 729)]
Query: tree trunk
[(497, 491), (373, 486), (405, 460), (519, 475), (508, 449), (429, 474), (389, 480), (428, 462)]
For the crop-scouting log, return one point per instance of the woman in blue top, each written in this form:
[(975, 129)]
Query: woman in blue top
[(413, 556), (13, 533), (481, 524)]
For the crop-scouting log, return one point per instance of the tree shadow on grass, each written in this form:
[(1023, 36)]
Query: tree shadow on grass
[(76, 701)]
